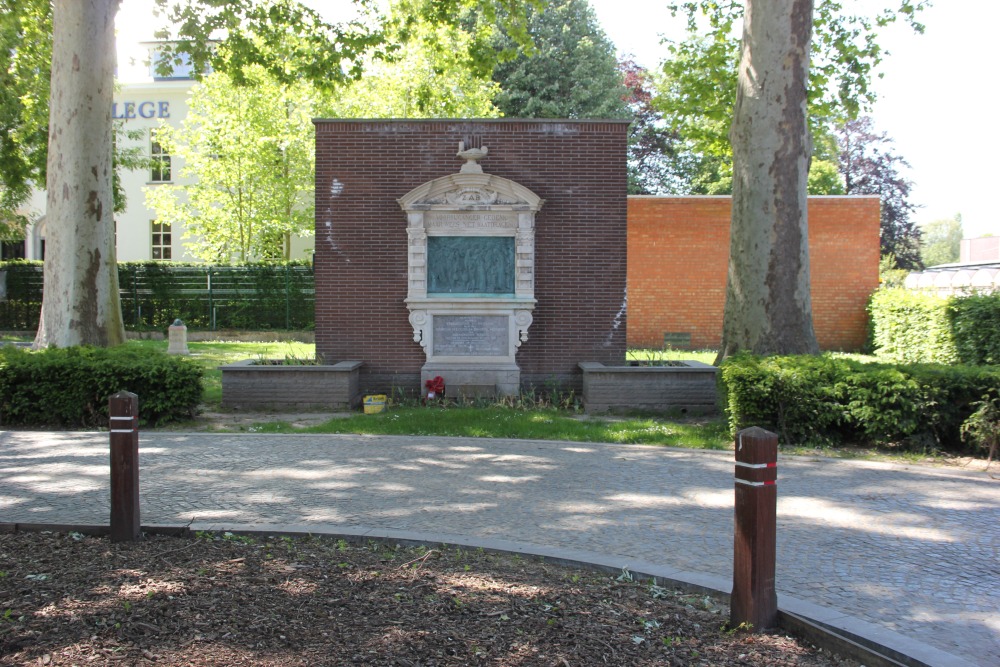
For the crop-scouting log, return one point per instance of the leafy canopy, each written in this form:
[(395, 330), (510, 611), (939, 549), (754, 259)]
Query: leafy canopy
[(570, 71), (871, 167), (25, 54), (248, 153), (942, 241), (431, 73), (247, 143)]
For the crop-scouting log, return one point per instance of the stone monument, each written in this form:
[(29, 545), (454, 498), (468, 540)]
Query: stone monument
[(471, 276)]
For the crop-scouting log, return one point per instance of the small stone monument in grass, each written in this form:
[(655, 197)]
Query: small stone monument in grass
[(177, 338), (471, 288)]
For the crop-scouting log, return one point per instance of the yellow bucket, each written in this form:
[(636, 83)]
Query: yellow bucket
[(374, 404)]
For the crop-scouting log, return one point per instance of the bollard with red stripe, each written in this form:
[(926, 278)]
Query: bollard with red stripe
[(123, 408), (754, 600)]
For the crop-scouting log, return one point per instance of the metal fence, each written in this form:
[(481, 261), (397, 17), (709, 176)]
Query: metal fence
[(154, 294)]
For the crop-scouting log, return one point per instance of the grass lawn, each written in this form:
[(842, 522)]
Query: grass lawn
[(487, 421), (212, 354), (498, 421)]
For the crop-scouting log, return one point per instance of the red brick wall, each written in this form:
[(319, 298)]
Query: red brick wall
[(678, 254), (362, 167)]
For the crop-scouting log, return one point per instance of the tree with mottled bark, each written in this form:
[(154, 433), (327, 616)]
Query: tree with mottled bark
[(768, 306), (80, 305)]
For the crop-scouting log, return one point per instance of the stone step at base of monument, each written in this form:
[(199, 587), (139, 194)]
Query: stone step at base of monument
[(474, 380)]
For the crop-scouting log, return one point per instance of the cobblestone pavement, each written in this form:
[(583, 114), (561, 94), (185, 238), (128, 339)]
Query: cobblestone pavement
[(909, 548)]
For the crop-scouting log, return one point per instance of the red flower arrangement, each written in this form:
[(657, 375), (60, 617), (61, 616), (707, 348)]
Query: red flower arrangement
[(435, 387)]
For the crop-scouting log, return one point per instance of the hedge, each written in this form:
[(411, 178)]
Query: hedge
[(914, 327), (71, 386), (975, 325), (837, 400), (261, 295)]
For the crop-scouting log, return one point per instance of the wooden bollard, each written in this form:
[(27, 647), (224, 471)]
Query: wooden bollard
[(123, 408), (754, 600)]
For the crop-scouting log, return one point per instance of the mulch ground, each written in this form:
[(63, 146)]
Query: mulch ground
[(67, 599)]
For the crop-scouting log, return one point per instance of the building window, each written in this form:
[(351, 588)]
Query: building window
[(159, 240), (11, 250), (159, 167), (163, 67)]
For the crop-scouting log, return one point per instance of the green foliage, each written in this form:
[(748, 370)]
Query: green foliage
[(247, 179), (835, 400), (25, 67), (570, 73), (913, 327), (25, 54), (941, 241), (247, 143), (272, 295), (20, 309), (825, 178), (433, 73), (798, 401), (975, 326), (845, 55), (890, 276), (982, 428), (292, 42), (698, 88), (71, 386), (518, 419)]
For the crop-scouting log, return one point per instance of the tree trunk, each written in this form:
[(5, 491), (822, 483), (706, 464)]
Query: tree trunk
[(80, 303), (768, 307)]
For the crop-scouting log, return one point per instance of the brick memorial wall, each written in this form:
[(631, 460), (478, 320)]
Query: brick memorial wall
[(577, 167)]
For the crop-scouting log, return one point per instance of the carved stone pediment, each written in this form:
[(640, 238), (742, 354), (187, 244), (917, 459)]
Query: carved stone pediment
[(470, 191)]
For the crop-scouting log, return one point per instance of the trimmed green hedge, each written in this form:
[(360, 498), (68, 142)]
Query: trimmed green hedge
[(833, 400), (913, 327), (975, 324), (71, 386), (258, 295)]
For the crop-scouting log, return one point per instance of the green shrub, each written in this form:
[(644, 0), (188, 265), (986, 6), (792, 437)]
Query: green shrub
[(71, 386), (912, 327), (982, 428), (975, 326), (259, 295), (807, 399), (796, 400)]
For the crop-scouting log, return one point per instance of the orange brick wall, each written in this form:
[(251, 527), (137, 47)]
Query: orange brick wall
[(678, 254)]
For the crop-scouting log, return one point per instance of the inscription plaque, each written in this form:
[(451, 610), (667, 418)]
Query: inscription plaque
[(471, 335), (448, 221), (470, 265)]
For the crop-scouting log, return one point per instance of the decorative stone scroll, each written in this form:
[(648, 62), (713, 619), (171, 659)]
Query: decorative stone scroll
[(471, 269)]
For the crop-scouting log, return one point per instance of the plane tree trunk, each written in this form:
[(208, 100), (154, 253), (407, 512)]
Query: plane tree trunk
[(80, 303), (768, 307)]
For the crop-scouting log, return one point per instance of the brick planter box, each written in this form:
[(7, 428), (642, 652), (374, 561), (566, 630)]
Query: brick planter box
[(247, 384), (689, 388)]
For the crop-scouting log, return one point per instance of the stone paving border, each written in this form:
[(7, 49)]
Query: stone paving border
[(828, 629)]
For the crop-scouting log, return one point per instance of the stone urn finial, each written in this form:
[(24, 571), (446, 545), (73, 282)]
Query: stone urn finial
[(472, 158)]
